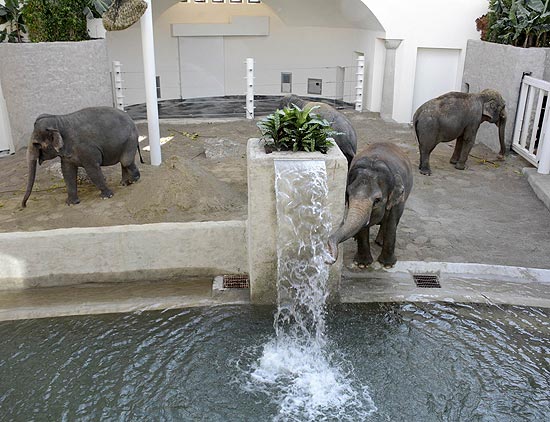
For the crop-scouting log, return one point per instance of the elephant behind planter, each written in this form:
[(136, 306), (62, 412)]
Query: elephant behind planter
[(379, 182), (457, 115), (347, 138), (88, 138)]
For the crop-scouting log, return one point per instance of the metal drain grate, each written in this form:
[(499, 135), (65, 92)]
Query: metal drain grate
[(236, 281), (429, 281)]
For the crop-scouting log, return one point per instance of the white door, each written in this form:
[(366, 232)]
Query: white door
[(202, 65), (436, 74)]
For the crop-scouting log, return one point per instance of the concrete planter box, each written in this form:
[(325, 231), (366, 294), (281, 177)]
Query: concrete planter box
[(501, 67), (54, 78), (262, 215)]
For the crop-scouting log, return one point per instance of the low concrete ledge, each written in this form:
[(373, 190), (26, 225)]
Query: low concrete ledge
[(540, 183), (122, 253), (460, 282)]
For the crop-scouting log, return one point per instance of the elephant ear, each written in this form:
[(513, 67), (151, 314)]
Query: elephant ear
[(397, 195), (490, 110), (55, 139)]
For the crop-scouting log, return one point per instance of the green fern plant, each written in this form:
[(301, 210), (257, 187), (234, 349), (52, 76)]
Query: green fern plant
[(296, 129)]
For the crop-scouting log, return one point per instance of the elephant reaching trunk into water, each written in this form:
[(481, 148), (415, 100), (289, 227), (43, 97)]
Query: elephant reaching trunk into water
[(457, 115), (379, 182)]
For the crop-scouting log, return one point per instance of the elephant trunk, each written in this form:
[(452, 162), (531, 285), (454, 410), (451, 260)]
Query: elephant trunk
[(358, 216), (501, 132), (32, 158)]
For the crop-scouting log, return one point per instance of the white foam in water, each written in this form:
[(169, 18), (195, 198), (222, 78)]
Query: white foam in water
[(295, 368)]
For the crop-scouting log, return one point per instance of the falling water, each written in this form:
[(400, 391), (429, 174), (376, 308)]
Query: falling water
[(297, 369)]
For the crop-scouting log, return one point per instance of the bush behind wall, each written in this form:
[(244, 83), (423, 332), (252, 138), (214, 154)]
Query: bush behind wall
[(56, 20)]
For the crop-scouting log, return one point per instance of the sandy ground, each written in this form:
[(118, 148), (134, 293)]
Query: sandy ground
[(486, 214)]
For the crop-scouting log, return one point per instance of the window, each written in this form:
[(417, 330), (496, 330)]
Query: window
[(286, 82)]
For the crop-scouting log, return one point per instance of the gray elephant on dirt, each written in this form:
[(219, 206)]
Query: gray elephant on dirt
[(347, 138), (457, 115), (89, 138), (380, 180)]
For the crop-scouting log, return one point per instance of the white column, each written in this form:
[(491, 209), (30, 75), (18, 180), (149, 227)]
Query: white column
[(250, 88), (388, 87), (148, 47), (6, 141)]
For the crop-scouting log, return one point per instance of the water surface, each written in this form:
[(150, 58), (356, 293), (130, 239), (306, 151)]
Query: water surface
[(410, 362)]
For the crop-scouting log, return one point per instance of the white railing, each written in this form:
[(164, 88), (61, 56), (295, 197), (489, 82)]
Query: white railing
[(531, 137)]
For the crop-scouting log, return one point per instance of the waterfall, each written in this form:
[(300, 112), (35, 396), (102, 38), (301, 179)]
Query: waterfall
[(297, 368)]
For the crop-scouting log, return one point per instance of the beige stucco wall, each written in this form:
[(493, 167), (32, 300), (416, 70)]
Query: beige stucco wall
[(53, 78)]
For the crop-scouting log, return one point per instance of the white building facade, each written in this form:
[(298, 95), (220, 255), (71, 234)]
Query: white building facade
[(413, 50)]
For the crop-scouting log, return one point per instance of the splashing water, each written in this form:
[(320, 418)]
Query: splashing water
[(296, 368)]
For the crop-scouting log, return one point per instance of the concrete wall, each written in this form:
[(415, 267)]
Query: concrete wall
[(121, 253), (55, 78), (262, 215), (501, 67)]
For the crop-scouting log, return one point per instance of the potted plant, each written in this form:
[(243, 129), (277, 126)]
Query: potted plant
[(296, 129), (293, 134), (94, 11)]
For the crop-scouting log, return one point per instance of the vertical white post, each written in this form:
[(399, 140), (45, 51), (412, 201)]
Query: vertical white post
[(360, 83), (116, 70), (250, 88), (544, 145), (148, 47)]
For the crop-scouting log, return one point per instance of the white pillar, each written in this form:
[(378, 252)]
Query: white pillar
[(360, 83), (148, 47), (6, 141), (250, 88)]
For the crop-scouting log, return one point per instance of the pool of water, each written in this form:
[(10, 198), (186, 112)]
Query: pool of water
[(409, 362)]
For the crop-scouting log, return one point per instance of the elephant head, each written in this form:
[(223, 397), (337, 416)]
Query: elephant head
[(494, 111), (372, 190), (288, 100), (46, 143)]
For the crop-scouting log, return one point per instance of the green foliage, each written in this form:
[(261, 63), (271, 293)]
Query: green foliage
[(96, 8), (56, 20), (524, 23), (296, 129), (11, 15)]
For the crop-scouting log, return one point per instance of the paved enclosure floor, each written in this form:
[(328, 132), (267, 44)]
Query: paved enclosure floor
[(487, 213)]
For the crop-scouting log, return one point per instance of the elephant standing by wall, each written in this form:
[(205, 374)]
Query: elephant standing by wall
[(457, 115), (89, 138), (346, 140), (380, 180)]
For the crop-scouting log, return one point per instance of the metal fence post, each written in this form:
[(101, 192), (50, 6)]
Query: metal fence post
[(250, 88), (360, 83), (118, 98)]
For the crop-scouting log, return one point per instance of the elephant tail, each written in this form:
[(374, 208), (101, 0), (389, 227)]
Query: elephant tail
[(140, 157), (415, 128)]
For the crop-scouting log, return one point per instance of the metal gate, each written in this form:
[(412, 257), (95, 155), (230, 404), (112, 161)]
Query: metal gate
[(531, 137)]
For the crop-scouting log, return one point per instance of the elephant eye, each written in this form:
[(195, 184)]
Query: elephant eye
[(377, 200)]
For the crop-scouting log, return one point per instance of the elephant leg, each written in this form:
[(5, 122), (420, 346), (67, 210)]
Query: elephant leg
[(70, 172), (426, 149), (130, 174), (380, 236), (96, 175), (387, 256), (458, 149), (363, 257), (467, 145)]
